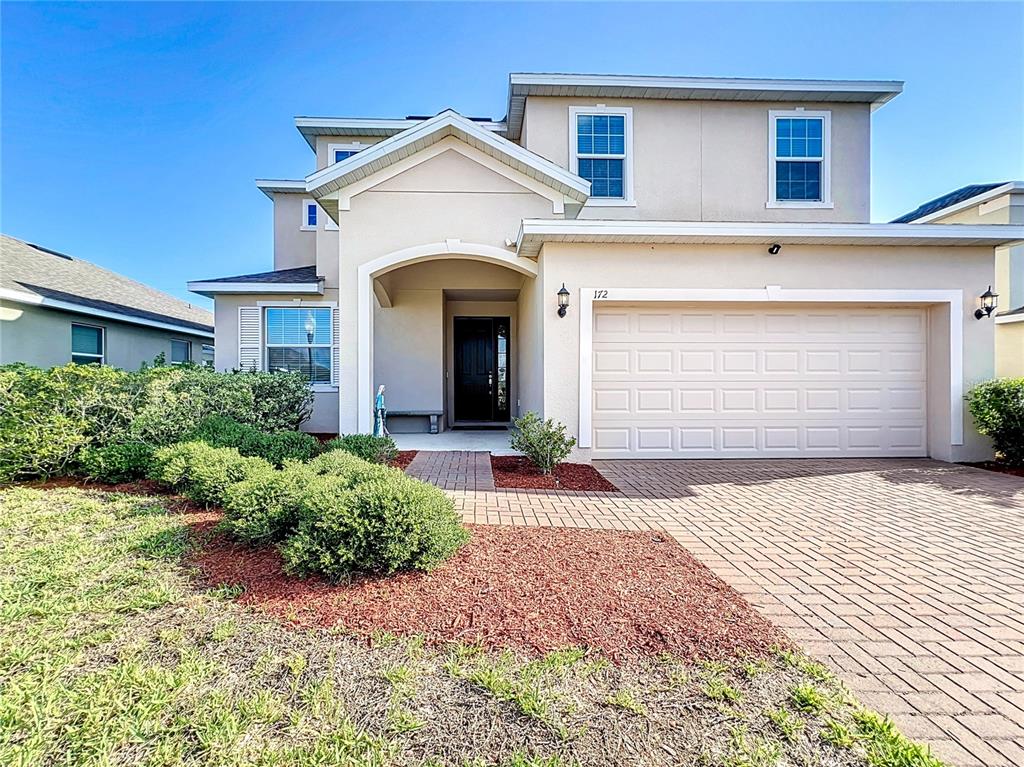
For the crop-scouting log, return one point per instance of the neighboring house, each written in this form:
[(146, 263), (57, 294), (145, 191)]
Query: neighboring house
[(999, 203), (56, 309), (724, 294)]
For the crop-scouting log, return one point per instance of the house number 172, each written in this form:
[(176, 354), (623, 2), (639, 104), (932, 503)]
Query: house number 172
[(600, 294)]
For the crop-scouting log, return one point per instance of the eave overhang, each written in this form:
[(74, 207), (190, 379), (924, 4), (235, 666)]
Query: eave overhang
[(371, 127), (533, 233)]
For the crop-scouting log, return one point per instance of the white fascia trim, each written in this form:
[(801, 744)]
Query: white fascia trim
[(1007, 319), (889, 88), (311, 127), (773, 294), (970, 202), (316, 182), (271, 185), (212, 288), (730, 232), (68, 306)]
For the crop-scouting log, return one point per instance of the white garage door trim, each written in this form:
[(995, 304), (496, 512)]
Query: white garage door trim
[(770, 294)]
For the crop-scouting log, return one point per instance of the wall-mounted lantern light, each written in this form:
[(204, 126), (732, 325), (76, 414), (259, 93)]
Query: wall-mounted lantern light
[(563, 301), (987, 302), (774, 248)]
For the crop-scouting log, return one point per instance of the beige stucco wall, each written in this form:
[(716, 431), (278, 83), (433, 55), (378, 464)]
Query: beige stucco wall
[(42, 337), (323, 142), (293, 247), (708, 160), (827, 267), (1010, 350)]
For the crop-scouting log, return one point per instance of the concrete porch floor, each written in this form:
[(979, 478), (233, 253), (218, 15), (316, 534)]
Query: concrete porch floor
[(495, 442)]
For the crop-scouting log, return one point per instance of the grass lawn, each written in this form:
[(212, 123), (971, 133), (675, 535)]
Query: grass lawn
[(111, 653)]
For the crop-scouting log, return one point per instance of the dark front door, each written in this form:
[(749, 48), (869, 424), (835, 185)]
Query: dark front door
[(481, 368)]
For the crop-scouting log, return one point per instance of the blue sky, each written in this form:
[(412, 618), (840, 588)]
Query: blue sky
[(131, 133)]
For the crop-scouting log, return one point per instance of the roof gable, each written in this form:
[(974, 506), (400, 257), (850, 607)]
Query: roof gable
[(334, 178)]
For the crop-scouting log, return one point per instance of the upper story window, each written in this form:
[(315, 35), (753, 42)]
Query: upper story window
[(181, 351), (799, 173), (87, 346), (299, 340), (601, 149), (339, 152)]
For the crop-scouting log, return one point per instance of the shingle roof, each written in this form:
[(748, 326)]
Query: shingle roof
[(299, 274), (28, 268), (952, 198)]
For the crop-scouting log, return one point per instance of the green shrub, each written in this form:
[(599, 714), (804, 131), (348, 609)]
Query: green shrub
[(366, 446), (544, 442), (998, 410), (264, 508), (204, 473), (179, 398), (346, 466), (48, 416), (388, 522), (120, 462), (276, 447)]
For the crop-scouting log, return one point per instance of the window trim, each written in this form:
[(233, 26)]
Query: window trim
[(303, 226), (826, 158), (627, 200), (352, 146), (188, 345), (297, 304), (101, 358)]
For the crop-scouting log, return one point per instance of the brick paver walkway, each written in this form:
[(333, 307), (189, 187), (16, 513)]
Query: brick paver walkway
[(907, 576)]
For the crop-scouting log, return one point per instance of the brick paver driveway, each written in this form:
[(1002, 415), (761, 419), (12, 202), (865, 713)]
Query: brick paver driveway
[(907, 576)]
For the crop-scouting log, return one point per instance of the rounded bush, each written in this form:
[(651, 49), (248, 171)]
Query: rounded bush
[(204, 473), (386, 523), (264, 508), (276, 447), (346, 466), (998, 410), (366, 446), (116, 463)]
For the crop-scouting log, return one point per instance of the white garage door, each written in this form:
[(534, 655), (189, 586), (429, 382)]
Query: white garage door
[(683, 381)]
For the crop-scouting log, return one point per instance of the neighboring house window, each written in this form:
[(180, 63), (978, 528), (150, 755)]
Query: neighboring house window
[(207, 355), (799, 151), (309, 214), (299, 340), (86, 344), (601, 151), (181, 351), (339, 152)]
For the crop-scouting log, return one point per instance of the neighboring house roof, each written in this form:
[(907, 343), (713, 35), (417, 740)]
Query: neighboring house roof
[(302, 279), (965, 196), (533, 233), (311, 127), (447, 123), (34, 275)]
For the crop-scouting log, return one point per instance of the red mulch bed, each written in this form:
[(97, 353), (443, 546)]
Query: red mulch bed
[(996, 466), (534, 588), (514, 471), (404, 459)]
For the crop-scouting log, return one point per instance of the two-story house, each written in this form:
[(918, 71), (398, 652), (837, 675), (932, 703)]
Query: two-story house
[(672, 267)]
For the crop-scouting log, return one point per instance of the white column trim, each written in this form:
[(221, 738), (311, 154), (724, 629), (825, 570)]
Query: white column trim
[(774, 294)]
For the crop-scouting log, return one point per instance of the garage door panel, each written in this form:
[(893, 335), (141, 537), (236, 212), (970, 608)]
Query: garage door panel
[(678, 381)]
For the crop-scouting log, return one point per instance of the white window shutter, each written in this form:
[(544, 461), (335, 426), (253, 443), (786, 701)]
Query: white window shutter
[(335, 345), (250, 338)]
